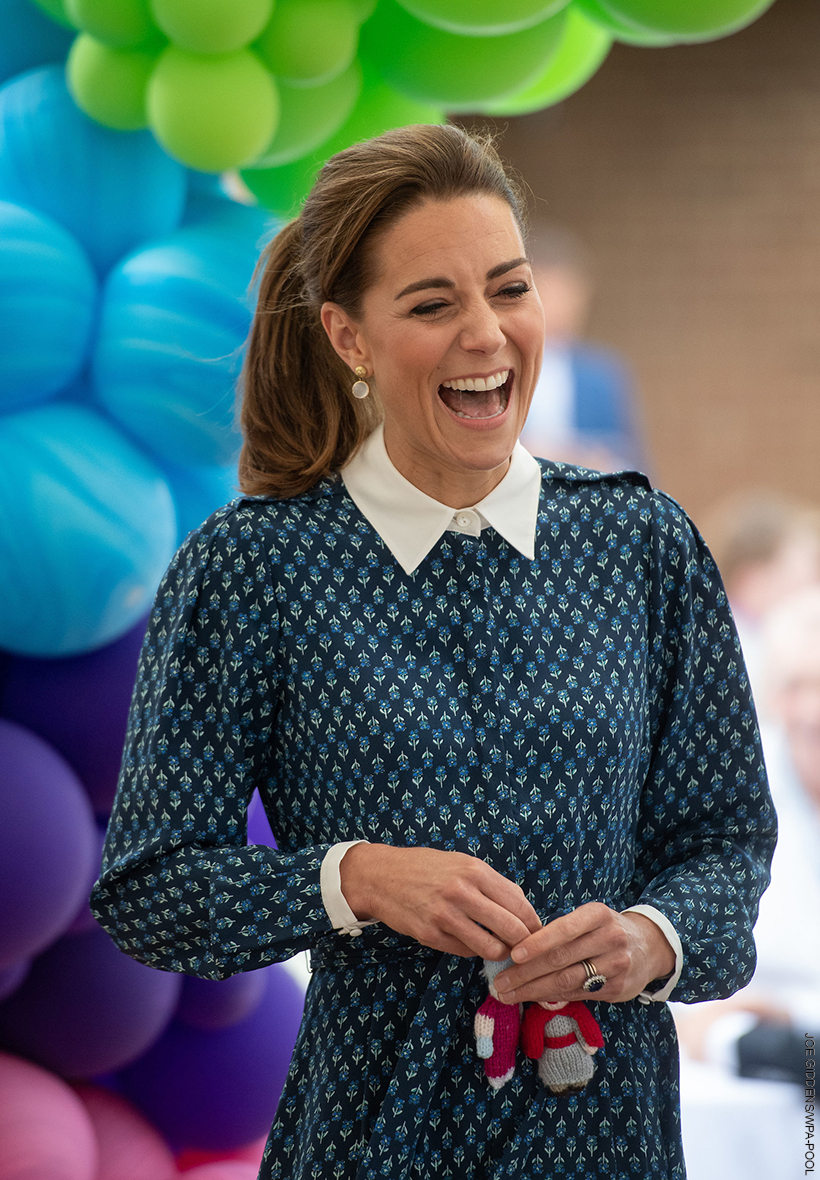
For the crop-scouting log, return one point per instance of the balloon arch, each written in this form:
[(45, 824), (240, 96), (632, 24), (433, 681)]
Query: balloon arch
[(125, 299)]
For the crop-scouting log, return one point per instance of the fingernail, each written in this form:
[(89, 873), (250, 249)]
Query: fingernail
[(519, 955)]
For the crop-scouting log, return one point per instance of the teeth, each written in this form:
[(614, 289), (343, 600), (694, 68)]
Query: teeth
[(470, 418), (477, 384)]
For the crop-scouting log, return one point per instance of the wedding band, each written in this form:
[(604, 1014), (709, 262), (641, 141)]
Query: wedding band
[(594, 980)]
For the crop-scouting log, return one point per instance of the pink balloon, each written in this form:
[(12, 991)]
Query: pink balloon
[(45, 1132), (223, 1170), (129, 1147), (252, 1152)]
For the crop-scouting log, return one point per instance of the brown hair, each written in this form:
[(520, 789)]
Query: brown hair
[(298, 416)]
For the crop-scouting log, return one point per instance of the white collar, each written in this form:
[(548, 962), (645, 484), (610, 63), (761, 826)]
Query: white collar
[(410, 522)]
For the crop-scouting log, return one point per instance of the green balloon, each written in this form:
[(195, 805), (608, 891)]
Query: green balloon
[(450, 70), (212, 112), (308, 42), (583, 48), (309, 115), (483, 18), (688, 20), (56, 9), (122, 24), (211, 26), (363, 9), (283, 190), (628, 34), (110, 84)]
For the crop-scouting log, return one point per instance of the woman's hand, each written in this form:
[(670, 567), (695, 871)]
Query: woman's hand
[(446, 900), (629, 949)]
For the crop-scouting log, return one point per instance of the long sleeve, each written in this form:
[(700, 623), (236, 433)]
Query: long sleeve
[(180, 889), (706, 829)]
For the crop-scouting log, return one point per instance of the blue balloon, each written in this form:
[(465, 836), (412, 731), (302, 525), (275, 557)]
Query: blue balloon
[(197, 492), (112, 189), (205, 182), (87, 529), (28, 38), (247, 225), (174, 320), (48, 294)]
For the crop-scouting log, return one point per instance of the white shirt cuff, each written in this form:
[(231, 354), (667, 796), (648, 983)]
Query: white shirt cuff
[(669, 931), (342, 918)]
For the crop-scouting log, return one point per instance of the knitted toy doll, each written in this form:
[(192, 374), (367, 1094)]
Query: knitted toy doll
[(563, 1037), (496, 1029)]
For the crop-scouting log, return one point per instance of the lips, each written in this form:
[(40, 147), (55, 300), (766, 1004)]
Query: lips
[(477, 397)]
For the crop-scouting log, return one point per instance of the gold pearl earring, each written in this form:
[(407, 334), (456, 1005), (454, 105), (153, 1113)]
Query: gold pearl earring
[(360, 387)]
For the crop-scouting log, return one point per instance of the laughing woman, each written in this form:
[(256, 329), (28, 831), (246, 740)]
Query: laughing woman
[(494, 707)]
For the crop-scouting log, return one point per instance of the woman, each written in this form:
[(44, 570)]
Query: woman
[(491, 706)]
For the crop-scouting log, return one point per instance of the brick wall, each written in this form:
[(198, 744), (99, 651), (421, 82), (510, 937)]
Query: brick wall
[(693, 174)]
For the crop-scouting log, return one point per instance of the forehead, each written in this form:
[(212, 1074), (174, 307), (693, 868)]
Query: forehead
[(447, 238)]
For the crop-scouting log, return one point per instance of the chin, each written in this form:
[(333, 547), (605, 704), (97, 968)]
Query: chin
[(493, 454)]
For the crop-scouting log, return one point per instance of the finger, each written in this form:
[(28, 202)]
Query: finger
[(608, 941), (485, 945), (561, 986), (453, 946), (561, 936), (568, 984), (558, 962), (507, 928), (478, 935), (512, 898), (483, 896)]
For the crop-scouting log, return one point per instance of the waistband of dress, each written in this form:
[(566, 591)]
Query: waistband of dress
[(340, 953)]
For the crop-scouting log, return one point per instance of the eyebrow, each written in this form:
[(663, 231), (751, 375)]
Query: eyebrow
[(494, 273)]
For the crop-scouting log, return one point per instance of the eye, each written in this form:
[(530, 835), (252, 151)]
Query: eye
[(514, 290), (429, 309)]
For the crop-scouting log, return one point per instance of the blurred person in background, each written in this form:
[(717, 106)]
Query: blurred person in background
[(767, 548), (583, 409), (759, 1033)]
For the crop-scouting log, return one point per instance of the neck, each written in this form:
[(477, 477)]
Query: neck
[(456, 488)]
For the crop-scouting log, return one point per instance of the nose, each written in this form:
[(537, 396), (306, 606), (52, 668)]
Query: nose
[(481, 330)]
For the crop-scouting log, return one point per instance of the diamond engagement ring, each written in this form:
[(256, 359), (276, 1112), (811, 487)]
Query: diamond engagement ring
[(594, 980)]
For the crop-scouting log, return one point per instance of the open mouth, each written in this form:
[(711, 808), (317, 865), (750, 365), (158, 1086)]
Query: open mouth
[(478, 397)]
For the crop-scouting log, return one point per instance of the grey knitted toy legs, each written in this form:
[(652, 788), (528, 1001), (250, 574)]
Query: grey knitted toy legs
[(568, 1068)]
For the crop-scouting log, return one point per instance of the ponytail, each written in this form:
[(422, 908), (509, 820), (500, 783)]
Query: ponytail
[(299, 418)]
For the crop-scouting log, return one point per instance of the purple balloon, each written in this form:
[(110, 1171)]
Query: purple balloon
[(79, 704), (48, 844), (86, 1008), (216, 1091), (11, 978), (83, 919), (219, 1003), (258, 827)]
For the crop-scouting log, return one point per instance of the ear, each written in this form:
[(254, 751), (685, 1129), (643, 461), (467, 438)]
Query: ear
[(346, 336)]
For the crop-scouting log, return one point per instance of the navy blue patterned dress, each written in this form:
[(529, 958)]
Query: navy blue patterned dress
[(582, 722)]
